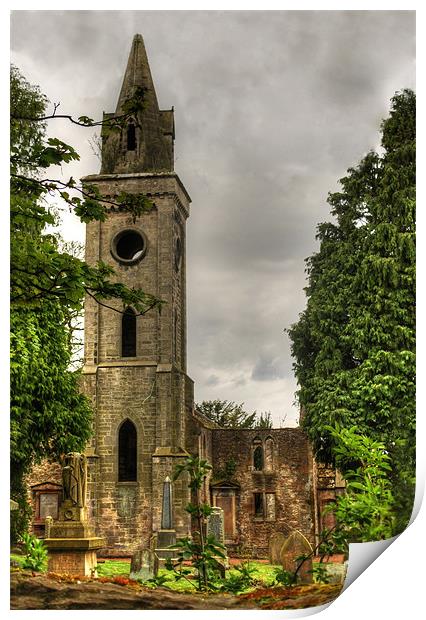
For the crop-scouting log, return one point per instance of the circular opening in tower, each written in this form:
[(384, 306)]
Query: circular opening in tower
[(128, 246)]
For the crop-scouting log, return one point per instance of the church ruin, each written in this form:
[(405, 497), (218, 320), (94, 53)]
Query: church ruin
[(265, 480)]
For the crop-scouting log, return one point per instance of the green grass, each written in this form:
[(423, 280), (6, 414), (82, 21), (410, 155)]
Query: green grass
[(113, 568), (263, 573)]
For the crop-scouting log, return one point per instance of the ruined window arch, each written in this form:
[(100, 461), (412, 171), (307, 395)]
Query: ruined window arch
[(128, 333), (131, 136), (127, 452), (269, 454), (257, 454)]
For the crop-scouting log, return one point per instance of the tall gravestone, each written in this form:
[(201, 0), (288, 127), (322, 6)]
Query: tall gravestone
[(166, 536), (275, 544), (216, 528), (71, 544), (215, 524)]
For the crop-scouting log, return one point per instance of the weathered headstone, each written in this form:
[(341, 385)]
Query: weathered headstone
[(216, 528), (142, 565), (166, 536), (215, 524), (275, 543), (295, 546)]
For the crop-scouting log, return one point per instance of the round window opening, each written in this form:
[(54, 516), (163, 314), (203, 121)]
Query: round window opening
[(128, 246)]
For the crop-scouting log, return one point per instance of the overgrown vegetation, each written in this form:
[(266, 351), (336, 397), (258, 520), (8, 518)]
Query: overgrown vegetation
[(354, 345), (35, 553), (200, 552)]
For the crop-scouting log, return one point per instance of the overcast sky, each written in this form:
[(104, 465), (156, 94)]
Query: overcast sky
[(271, 108)]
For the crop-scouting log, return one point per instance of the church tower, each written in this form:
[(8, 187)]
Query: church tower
[(135, 365)]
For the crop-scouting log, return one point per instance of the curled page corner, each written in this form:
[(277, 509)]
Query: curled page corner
[(361, 555)]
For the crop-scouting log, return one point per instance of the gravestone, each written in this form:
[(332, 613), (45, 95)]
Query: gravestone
[(294, 546), (216, 528), (215, 524), (166, 512), (166, 536), (275, 543), (142, 565)]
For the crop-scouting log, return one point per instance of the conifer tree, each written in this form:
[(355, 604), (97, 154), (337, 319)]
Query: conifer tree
[(354, 345)]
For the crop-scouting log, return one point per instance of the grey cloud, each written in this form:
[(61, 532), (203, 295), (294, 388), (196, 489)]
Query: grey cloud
[(267, 370), (212, 380)]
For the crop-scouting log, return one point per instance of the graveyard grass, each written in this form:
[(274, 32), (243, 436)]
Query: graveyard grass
[(264, 574)]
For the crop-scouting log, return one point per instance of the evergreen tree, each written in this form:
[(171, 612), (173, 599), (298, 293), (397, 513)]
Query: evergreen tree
[(354, 345)]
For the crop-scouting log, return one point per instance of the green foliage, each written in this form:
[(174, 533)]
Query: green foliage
[(241, 579), (158, 581), (20, 518), (320, 573), (36, 553), (284, 577), (200, 553), (354, 344), (366, 511), (228, 414)]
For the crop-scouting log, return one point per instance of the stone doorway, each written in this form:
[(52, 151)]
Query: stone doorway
[(225, 497)]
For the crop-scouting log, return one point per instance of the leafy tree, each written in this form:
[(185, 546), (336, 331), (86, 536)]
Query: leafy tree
[(49, 416), (365, 511), (200, 550), (264, 420), (354, 344), (230, 415)]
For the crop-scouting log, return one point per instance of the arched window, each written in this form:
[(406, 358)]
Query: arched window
[(258, 457), (131, 137), (269, 454), (127, 452), (128, 333)]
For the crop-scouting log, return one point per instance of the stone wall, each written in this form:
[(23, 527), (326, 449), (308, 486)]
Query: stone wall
[(284, 486)]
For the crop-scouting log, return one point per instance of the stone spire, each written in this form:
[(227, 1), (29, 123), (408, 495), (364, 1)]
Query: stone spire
[(137, 74), (146, 143)]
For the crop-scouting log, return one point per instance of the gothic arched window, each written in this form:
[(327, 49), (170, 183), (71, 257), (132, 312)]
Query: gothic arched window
[(128, 333), (257, 455), (131, 137), (269, 454), (127, 452)]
